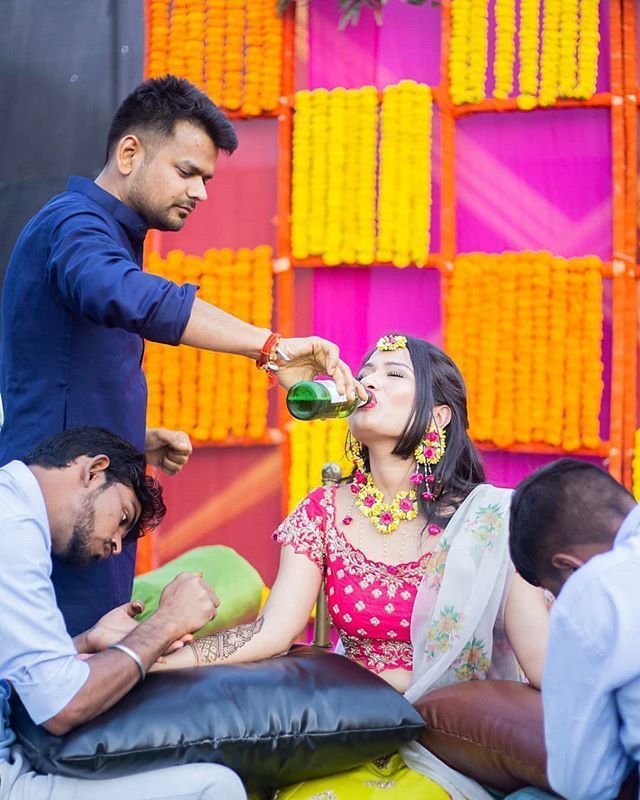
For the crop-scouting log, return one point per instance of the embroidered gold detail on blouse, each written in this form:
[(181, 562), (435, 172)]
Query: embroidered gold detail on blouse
[(378, 654)]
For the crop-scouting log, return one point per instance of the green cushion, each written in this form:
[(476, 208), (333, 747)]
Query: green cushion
[(237, 584)]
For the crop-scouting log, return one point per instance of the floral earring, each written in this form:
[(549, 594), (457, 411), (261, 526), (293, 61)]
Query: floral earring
[(427, 454), (355, 454)]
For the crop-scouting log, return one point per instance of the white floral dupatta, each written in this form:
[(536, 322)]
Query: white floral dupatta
[(456, 627)]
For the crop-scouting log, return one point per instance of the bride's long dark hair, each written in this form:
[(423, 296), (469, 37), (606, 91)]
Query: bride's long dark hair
[(439, 382)]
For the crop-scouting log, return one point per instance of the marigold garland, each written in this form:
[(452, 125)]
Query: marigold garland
[(213, 396), (542, 371), (388, 176), (505, 29), (459, 50), (301, 149), (404, 193), (550, 56), (574, 366), (365, 203), (468, 50), (506, 374), (526, 330), (490, 365), (336, 199), (591, 375), (529, 57), (556, 59), (232, 49), (335, 175), (318, 172), (234, 27), (313, 444), (557, 352), (271, 72), (214, 49), (569, 17), (588, 49), (352, 177), (478, 47)]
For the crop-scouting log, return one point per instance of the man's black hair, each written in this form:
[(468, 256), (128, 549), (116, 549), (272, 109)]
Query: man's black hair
[(155, 106), (126, 466), (564, 503)]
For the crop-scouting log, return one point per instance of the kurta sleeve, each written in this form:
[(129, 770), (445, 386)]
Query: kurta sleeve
[(94, 276), (305, 528), (582, 719), (38, 656)]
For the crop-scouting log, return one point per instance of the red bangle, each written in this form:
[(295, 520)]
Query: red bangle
[(268, 356)]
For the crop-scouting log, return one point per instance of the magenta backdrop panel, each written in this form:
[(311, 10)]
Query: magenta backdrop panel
[(508, 469), (355, 306), (346, 58), (409, 44), (536, 181), (406, 45)]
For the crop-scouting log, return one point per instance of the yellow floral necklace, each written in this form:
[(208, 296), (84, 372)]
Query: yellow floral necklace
[(385, 517)]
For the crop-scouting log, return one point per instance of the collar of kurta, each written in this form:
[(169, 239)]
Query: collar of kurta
[(629, 527), (135, 224)]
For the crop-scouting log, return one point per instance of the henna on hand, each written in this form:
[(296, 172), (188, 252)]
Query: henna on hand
[(219, 646)]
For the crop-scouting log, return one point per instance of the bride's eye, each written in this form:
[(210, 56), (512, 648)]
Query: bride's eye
[(395, 374)]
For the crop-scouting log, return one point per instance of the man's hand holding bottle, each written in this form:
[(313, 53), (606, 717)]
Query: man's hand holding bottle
[(302, 359)]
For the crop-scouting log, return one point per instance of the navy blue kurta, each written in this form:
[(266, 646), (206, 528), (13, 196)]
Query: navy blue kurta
[(76, 309)]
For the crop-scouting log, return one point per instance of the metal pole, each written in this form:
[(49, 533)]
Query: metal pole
[(331, 474)]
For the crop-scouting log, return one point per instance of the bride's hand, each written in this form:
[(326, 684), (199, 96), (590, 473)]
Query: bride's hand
[(118, 623), (180, 659)]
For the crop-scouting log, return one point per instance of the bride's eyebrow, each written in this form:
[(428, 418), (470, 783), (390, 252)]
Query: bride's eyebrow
[(401, 364), (398, 364)]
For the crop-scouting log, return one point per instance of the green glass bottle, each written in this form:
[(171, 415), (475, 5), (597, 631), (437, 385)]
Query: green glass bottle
[(320, 400)]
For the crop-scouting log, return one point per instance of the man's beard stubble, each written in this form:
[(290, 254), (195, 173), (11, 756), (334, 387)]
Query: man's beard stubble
[(155, 218), (78, 554)]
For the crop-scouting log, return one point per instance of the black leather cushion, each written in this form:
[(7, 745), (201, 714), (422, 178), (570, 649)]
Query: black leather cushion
[(307, 714)]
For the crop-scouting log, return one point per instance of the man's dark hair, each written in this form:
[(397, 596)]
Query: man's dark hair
[(567, 502), (155, 106), (126, 466)]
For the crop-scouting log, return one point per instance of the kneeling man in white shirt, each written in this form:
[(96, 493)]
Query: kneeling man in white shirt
[(576, 531), (79, 495)]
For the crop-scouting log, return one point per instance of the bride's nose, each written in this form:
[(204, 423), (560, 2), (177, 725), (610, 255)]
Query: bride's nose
[(370, 382)]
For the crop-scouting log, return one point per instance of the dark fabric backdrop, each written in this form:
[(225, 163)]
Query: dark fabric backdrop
[(65, 65)]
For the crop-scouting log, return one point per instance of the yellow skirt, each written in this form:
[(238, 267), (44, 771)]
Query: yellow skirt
[(387, 778)]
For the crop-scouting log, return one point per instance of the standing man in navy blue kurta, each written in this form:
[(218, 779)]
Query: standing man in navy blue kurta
[(77, 306), (74, 317)]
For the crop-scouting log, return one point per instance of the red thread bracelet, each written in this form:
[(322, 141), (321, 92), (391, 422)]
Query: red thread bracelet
[(268, 356)]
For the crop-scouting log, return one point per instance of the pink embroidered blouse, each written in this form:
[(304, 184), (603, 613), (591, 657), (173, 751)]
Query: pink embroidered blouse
[(370, 602)]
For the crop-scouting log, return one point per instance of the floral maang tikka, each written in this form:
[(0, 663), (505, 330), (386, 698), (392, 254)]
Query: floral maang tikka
[(391, 341)]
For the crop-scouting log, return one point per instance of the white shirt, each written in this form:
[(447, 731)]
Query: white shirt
[(37, 655), (591, 683)]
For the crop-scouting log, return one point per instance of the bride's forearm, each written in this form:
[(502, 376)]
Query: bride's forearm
[(250, 641), (225, 646)]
